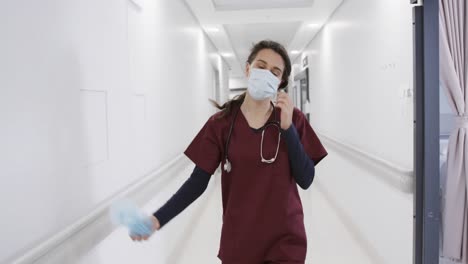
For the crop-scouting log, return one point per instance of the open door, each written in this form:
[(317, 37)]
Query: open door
[(302, 79)]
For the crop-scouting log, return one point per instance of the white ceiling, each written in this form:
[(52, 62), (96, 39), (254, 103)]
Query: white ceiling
[(243, 37), (259, 4), (234, 25)]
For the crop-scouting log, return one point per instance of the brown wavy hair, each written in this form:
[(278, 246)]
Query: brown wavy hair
[(264, 44)]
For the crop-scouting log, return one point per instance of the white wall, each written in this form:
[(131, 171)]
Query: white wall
[(224, 78), (236, 82), (93, 95), (360, 65), (168, 75)]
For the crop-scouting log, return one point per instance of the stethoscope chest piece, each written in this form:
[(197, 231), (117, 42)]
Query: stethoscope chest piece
[(227, 166)]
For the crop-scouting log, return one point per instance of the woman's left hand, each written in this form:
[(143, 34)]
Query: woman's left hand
[(285, 103)]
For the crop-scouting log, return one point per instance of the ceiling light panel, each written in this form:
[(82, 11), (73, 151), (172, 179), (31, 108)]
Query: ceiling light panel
[(224, 5)]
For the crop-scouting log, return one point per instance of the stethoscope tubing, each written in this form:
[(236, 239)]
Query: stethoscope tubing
[(227, 163)]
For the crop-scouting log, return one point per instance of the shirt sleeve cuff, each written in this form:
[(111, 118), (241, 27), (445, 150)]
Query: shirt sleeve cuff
[(290, 133)]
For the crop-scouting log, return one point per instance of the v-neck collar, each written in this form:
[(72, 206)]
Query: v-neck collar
[(256, 130)]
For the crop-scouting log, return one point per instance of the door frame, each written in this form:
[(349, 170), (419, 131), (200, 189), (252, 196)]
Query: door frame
[(426, 132)]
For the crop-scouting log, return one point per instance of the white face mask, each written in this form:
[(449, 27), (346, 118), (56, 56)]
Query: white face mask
[(262, 84)]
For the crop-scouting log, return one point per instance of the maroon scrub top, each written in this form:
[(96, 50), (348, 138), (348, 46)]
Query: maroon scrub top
[(263, 218)]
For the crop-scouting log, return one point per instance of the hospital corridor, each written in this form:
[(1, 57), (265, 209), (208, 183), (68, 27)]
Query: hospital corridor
[(233, 131)]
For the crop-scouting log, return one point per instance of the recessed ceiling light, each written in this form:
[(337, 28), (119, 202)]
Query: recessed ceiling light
[(295, 52), (313, 25), (340, 24), (212, 29), (227, 54)]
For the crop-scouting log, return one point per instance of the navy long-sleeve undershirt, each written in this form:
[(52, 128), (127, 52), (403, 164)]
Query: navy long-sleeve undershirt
[(302, 166), (187, 194)]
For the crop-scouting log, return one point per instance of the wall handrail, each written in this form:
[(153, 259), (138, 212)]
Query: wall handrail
[(94, 219), (406, 176)]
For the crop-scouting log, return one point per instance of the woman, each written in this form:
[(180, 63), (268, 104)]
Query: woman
[(265, 150)]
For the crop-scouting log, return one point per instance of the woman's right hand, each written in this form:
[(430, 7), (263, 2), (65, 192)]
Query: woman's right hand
[(155, 226)]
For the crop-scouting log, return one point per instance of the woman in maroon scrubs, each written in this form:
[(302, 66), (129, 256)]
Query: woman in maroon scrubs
[(265, 151)]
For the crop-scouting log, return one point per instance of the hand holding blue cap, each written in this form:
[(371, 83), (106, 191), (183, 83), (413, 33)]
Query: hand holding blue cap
[(126, 213)]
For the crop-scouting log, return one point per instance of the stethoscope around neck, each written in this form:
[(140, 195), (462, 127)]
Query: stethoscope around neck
[(227, 164)]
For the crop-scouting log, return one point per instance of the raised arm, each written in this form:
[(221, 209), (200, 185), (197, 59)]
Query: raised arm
[(302, 166)]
